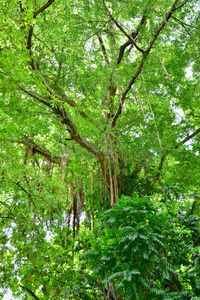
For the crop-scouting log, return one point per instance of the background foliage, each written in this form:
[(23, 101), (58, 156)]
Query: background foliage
[(99, 100)]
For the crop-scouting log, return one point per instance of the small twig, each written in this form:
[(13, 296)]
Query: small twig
[(192, 114), (158, 136), (168, 25), (162, 63), (97, 32), (23, 189), (187, 138), (186, 24), (140, 103), (181, 5), (183, 25)]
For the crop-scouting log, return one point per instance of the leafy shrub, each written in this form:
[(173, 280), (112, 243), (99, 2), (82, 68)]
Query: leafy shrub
[(144, 252)]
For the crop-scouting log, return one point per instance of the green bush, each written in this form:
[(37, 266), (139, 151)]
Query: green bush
[(144, 252)]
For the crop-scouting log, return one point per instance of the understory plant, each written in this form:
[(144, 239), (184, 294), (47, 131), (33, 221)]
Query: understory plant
[(143, 252)]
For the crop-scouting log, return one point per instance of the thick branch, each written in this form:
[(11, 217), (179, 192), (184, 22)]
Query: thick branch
[(194, 205), (121, 51), (35, 148), (29, 38), (83, 142), (168, 151), (73, 131), (65, 119), (42, 151)]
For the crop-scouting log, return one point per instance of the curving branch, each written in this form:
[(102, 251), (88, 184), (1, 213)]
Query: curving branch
[(182, 24), (34, 95), (63, 97), (59, 110)]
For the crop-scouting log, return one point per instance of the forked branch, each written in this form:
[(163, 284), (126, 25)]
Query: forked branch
[(132, 41), (141, 64), (133, 35)]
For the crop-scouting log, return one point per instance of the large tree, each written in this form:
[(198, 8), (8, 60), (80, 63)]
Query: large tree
[(97, 99), (108, 76)]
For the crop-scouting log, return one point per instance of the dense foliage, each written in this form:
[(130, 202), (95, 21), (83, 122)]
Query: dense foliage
[(99, 100), (145, 251)]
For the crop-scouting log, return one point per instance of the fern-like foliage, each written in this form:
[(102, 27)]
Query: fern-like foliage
[(144, 252)]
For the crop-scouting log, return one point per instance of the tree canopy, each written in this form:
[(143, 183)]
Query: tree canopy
[(99, 100)]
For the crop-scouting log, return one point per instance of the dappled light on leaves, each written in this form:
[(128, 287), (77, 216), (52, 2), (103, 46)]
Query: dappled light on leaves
[(99, 101)]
